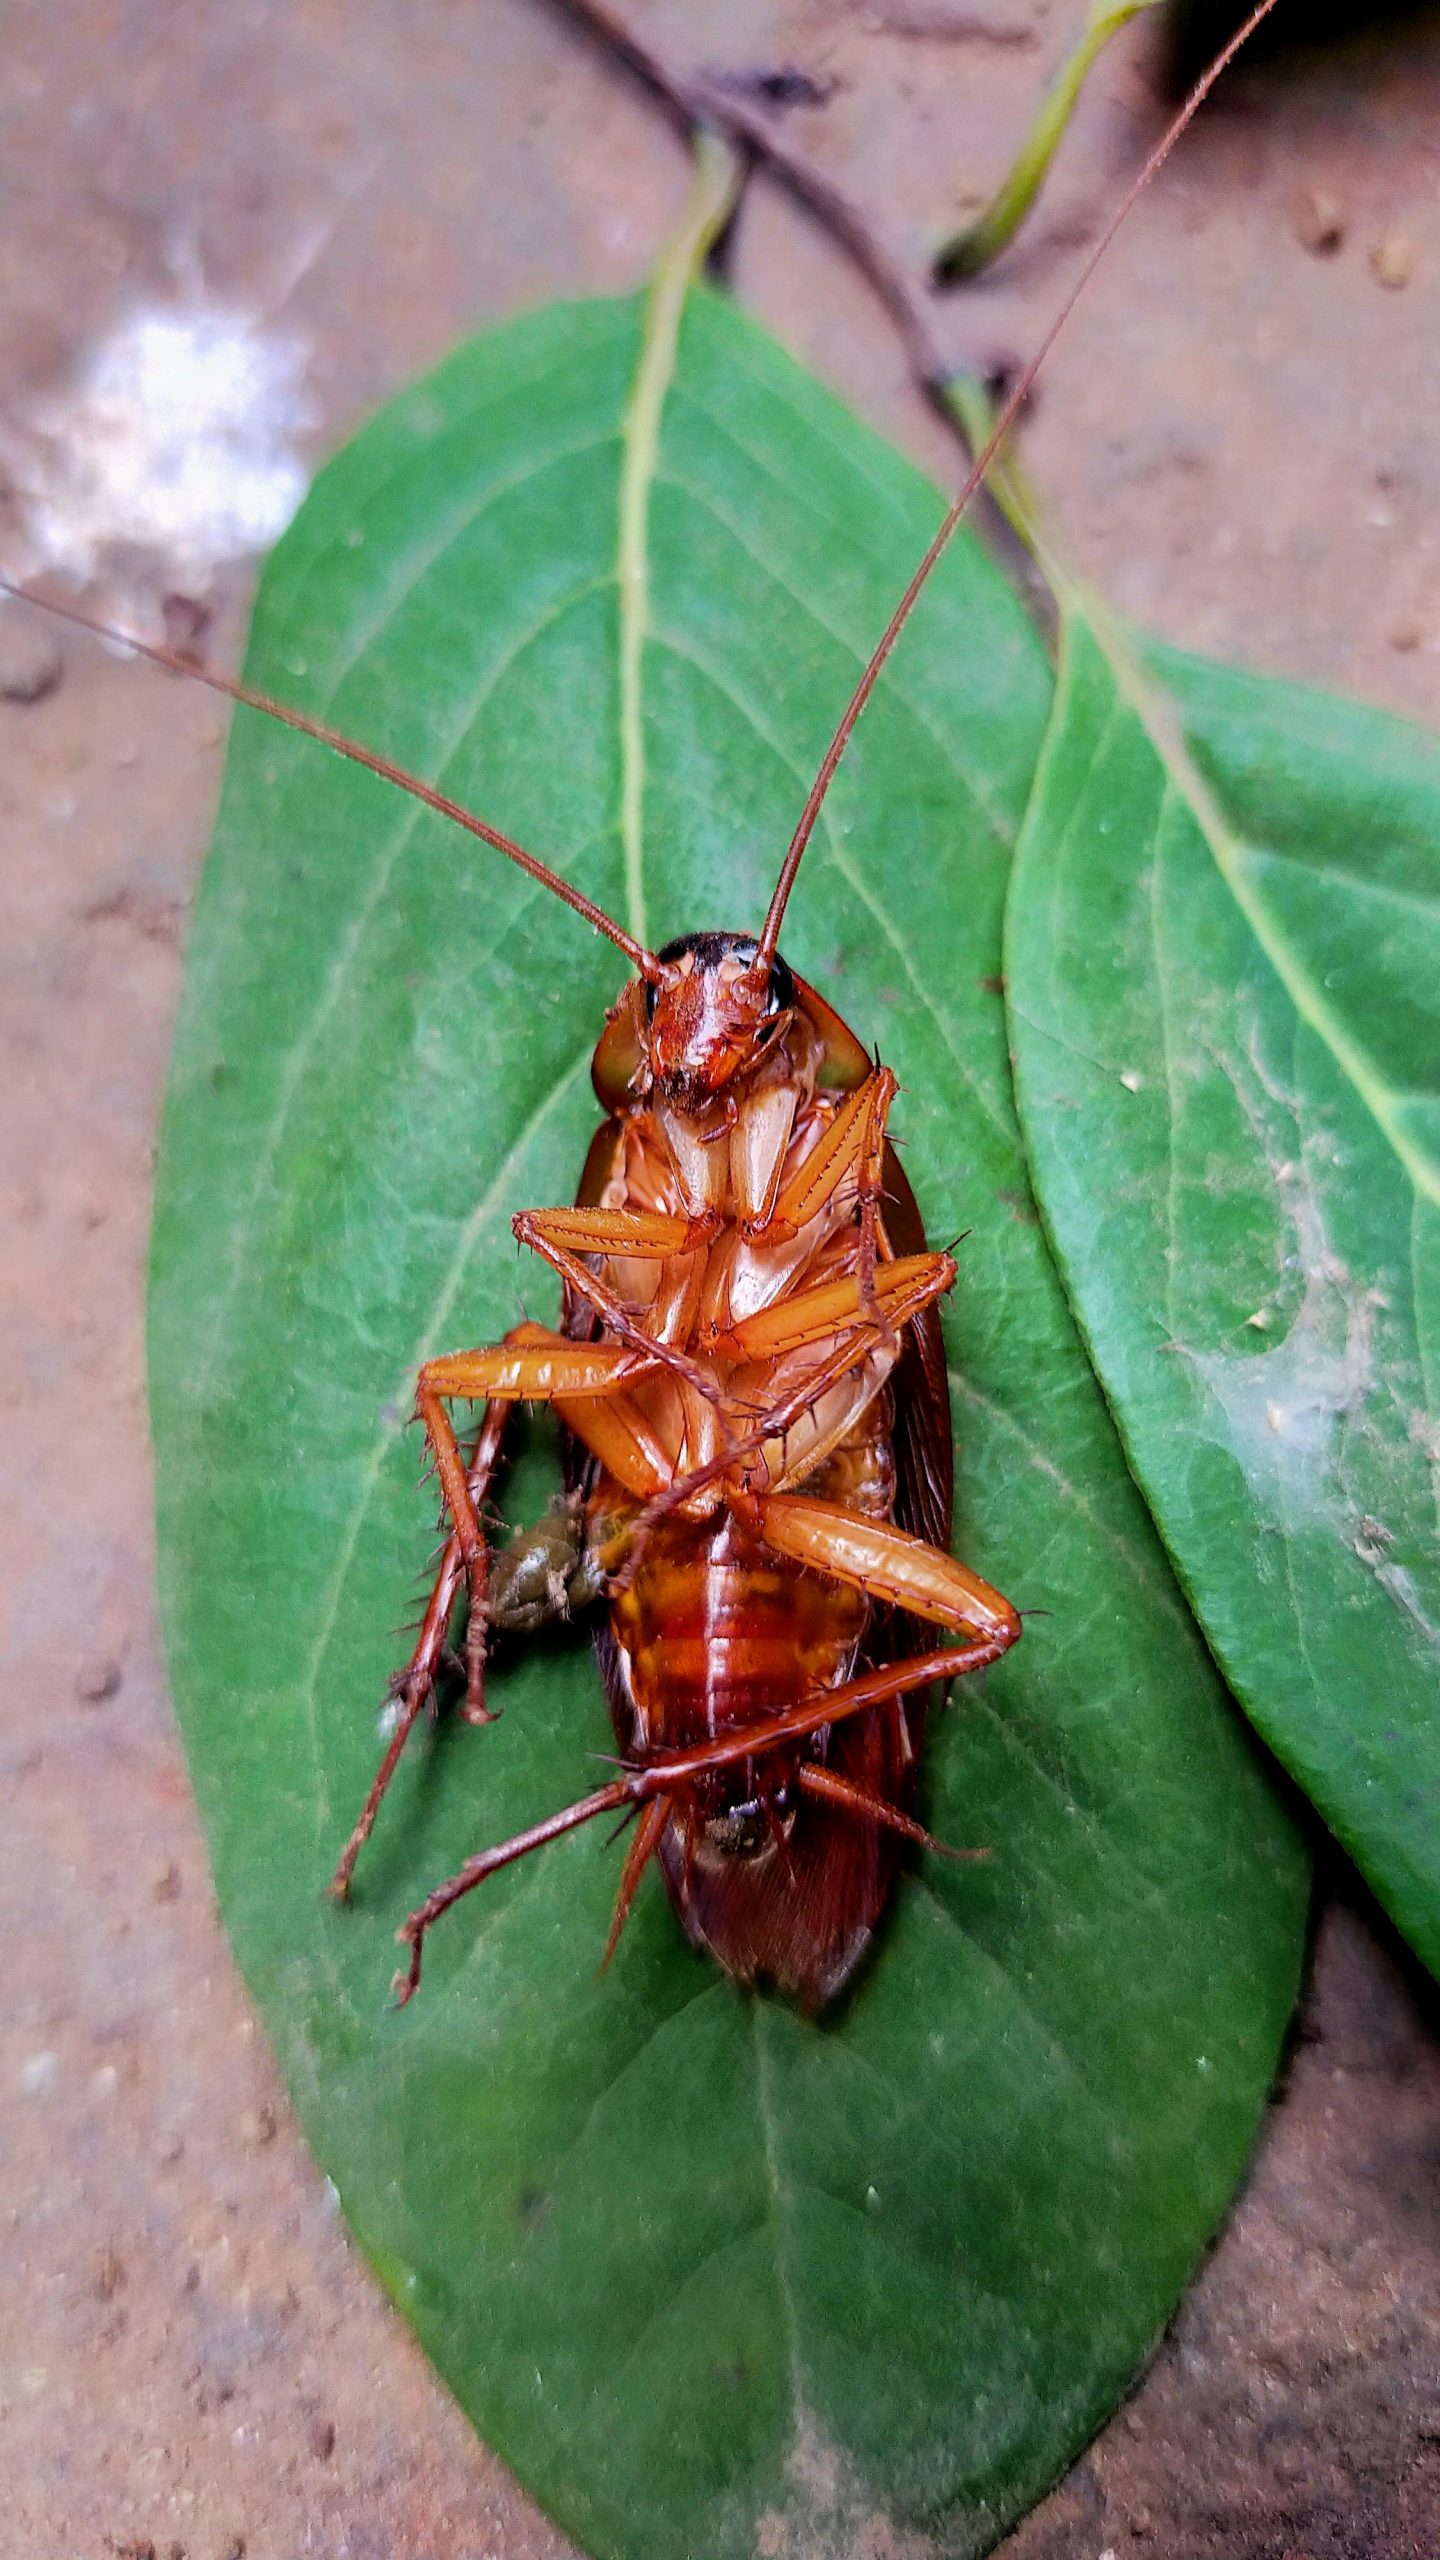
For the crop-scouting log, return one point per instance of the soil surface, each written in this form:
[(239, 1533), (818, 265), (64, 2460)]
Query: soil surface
[(1236, 440)]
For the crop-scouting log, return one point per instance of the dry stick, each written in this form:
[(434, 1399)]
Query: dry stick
[(701, 98)]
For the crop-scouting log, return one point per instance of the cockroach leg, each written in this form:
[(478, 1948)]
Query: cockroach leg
[(611, 1799), (450, 1467), (900, 1291), (586, 1382), (886, 1563), (637, 1858), (642, 1235), (531, 1229), (779, 1838), (853, 1145), (828, 1787), (417, 1682), (410, 1698), (855, 1134), (869, 1182), (535, 1366), (672, 1771), (530, 1363), (484, 1462)]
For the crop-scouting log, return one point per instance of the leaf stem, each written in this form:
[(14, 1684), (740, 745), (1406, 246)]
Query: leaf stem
[(973, 249), (969, 402)]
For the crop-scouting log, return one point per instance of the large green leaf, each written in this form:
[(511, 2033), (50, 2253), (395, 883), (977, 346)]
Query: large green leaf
[(716, 2280), (1224, 969)]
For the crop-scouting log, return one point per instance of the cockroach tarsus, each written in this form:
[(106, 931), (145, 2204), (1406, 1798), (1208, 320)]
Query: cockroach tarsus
[(754, 1413)]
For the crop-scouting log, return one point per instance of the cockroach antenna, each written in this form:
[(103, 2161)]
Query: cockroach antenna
[(180, 664), (1019, 394)]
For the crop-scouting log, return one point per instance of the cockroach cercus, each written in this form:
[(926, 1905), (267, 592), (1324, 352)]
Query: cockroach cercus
[(749, 1380)]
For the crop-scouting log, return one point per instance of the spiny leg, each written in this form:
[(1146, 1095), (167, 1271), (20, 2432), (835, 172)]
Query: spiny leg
[(637, 1858), (827, 1307), (530, 1361), (886, 1563), (853, 1145), (551, 1233), (828, 1787), (417, 1682), (870, 1175), (845, 1146), (532, 1365), (675, 1770)]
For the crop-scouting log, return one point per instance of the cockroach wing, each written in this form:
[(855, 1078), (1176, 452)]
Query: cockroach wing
[(924, 1446)]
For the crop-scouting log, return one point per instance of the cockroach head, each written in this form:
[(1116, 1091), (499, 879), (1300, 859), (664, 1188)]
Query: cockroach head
[(712, 1009)]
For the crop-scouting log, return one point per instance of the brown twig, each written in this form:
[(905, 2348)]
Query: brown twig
[(761, 130)]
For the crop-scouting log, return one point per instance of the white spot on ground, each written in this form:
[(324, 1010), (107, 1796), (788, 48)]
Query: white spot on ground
[(172, 451)]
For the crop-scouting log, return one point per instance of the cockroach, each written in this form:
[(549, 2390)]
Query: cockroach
[(754, 1414)]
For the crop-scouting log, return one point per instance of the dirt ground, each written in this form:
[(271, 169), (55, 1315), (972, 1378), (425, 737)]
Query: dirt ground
[(1237, 441)]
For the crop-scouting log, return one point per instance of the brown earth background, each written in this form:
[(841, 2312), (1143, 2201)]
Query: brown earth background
[(1237, 440)]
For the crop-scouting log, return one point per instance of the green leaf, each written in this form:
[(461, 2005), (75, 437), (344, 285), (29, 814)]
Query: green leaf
[(1223, 961), (713, 2278)]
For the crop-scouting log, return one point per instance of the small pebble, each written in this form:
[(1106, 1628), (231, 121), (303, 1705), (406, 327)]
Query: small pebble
[(1392, 261), (109, 2273), (165, 1885), (1319, 223), (322, 2438), (30, 662), (97, 1679), (257, 2127)]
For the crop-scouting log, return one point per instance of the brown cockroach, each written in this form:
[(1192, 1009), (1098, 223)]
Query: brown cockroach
[(751, 1391), (751, 1386)]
